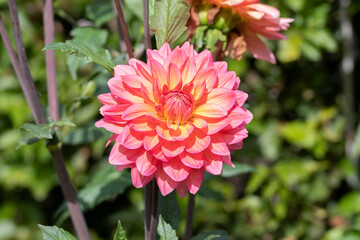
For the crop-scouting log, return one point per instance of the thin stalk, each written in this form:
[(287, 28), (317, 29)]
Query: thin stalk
[(154, 210), (146, 24), (14, 61), (189, 217), (148, 189), (48, 19), (151, 207), (124, 29), (69, 193), (29, 87), (122, 45)]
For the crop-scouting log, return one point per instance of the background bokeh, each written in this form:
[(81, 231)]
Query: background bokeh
[(304, 141)]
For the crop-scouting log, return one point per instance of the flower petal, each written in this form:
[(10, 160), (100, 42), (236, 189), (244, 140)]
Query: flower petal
[(131, 139), (213, 163), (121, 70), (165, 183), (139, 180), (137, 110), (176, 169), (208, 76), (182, 189), (221, 96), (120, 155), (182, 132), (192, 160), (210, 110), (204, 60), (110, 126), (194, 180), (146, 164), (107, 99), (197, 142), (158, 72), (151, 141), (227, 79), (258, 48), (174, 76), (172, 149), (218, 145)]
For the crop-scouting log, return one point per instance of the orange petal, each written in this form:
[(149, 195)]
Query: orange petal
[(192, 160), (165, 183), (146, 164), (218, 145), (172, 149), (138, 179), (176, 169), (197, 142), (194, 180), (137, 110), (210, 110)]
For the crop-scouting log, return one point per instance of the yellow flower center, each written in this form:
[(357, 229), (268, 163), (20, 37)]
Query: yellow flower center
[(177, 106)]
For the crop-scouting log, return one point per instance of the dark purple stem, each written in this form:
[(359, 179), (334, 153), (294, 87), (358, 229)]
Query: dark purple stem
[(69, 193), (148, 189), (122, 45), (28, 83), (124, 29), (189, 217), (48, 19), (154, 210), (151, 207), (146, 25)]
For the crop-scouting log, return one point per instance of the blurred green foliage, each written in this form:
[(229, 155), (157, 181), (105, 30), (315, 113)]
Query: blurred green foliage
[(303, 186)]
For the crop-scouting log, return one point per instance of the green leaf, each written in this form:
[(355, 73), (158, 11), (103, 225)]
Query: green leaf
[(86, 134), (35, 133), (100, 12), (120, 233), (165, 230), (74, 47), (356, 144), (42, 131), (239, 168), (55, 233), (170, 210), (216, 234), (350, 203), (212, 37), (136, 7), (169, 19), (106, 183)]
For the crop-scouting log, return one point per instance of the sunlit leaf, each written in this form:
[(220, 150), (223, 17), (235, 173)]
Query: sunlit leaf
[(55, 233), (165, 230), (74, 47), (239, 168), (213, 235), (100, 12), (350, 203), (120, 233), (169, 19)]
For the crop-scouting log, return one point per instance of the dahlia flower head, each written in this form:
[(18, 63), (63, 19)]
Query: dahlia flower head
[(255, 19), (174, 117)]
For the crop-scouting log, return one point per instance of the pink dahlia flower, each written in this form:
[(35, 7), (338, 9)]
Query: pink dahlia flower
[(250, 19), (257, 18), (174, 117)]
